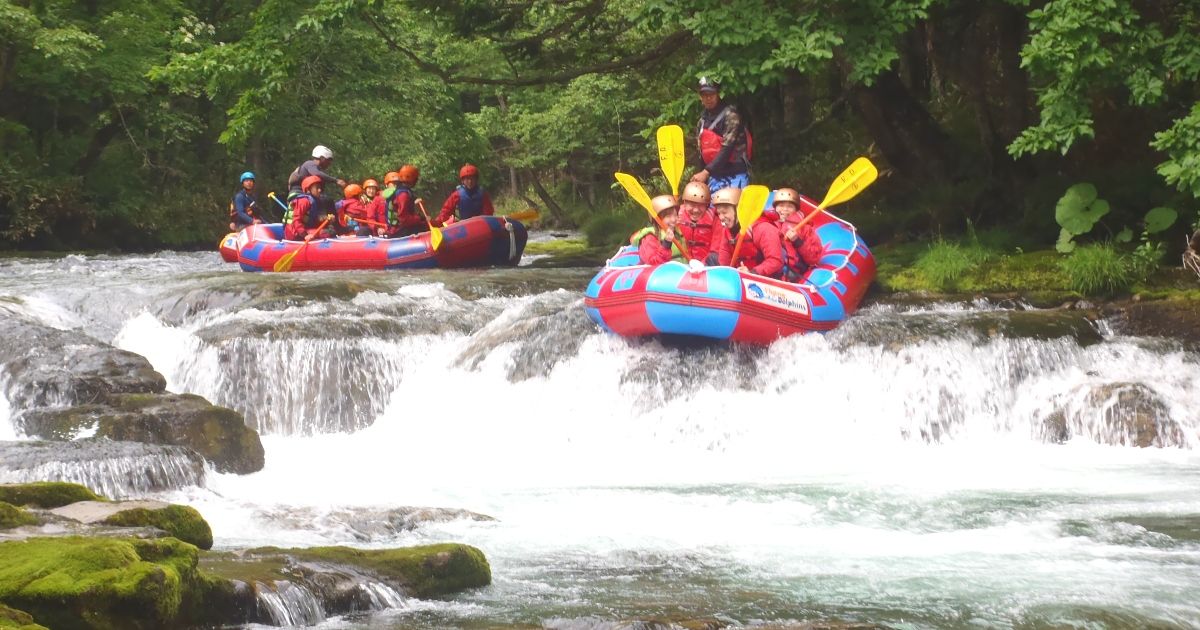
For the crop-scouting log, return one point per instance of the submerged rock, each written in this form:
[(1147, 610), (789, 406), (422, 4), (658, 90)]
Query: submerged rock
[(1176, 319), (12, 619), (366, 525), (1119, 414), (218, 434), (113, 469)]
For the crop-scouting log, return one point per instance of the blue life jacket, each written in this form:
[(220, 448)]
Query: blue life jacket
[(469, 205)]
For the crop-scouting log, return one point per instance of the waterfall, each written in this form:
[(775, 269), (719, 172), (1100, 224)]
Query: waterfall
[(289, 604)]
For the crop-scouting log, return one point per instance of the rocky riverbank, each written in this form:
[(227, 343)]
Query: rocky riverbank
[(93, 563)]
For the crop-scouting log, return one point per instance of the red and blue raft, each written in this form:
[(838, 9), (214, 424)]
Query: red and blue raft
[(476, 242), (634, 300)]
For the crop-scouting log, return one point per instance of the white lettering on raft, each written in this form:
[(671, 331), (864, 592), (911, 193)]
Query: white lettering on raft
[(775, 296)]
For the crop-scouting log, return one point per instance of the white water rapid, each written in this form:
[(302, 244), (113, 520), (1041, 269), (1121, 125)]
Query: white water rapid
[(902, 469)]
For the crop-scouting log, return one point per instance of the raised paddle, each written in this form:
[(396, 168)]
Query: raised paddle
[(670, 154), (528, 214), (852, 181), (435, 234), (749, 209), (635, 190), (285, 262), (276, 200)]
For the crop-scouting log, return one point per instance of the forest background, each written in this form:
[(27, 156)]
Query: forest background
[(125, 123)]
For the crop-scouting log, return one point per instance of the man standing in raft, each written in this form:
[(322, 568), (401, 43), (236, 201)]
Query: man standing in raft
[(696, 220), (724, 142), (241, 209), (761, 246), (469, 199), (655, 246), (322, 157)]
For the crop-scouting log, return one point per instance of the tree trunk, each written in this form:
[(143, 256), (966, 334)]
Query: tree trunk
[(560, 217)]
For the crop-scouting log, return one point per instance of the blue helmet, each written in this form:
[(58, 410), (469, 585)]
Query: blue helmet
[(247, 175)]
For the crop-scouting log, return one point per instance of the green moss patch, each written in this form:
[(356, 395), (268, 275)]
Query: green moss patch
[(561, 246), (78, 582), (12, 516), (181, 521), (46, 494)]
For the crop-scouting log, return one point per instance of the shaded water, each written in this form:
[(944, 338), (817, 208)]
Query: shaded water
[(896, 470)]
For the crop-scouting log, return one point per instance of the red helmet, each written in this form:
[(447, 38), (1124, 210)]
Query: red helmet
[(391, 176), (409, 174), (369, 183), (353, 190), (309, 181), (468, 170)]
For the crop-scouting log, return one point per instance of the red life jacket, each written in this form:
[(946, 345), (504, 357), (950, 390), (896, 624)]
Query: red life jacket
[(711, 141), (698, 235)]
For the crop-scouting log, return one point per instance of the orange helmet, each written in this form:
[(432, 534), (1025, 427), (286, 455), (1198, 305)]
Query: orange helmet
[(663, 204), (697, 192), (727, 196), (468, 170), (309, 182), (370, 183), (787, 194), (392, 176), (409, 174), (352, 191)]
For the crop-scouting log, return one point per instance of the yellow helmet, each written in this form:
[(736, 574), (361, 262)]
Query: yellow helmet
[(727, 196), (697, 192), (663, 203)]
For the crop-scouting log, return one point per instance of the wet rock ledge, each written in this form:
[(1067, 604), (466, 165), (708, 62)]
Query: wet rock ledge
[(61, 384), (139, 564)]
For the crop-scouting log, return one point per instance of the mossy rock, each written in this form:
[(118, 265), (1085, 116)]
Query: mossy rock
[(46, 494), (180, 521), (12, 619), (425, 571), (74, 582), (12, 516)]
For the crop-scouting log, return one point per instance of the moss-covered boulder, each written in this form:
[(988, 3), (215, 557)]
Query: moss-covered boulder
[(11, 619), (218, 434), (46, 494), (12, 516), (69, 583), (181, 521), (424, 571)]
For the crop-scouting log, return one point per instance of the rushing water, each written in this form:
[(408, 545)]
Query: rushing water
[(895, 470)]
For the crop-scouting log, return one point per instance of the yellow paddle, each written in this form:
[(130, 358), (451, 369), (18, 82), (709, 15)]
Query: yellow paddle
[(670, 154), (635, 190), (435, 234), (749, 209), (852, 181), (285, 262), (528, 214)]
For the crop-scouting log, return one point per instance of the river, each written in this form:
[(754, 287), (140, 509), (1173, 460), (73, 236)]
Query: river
[(893, 471)]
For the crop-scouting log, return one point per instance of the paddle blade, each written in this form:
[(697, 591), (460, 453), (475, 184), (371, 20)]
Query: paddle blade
[(751, 204), (635, 190), (529, 214), (435, 237), (670, 155), (285, 262), (852, 181)]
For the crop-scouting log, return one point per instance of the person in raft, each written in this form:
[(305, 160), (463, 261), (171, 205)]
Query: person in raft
[(303, 216), (724, 142), (375, 211), (656, 246), (761, 252), (350, 209), (322, 157), (242, 210), (468, 200), (801, 247), (402, 216), (696, 220)]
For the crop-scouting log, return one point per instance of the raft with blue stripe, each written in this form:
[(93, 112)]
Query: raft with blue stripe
[(635, 300), (476, 242)]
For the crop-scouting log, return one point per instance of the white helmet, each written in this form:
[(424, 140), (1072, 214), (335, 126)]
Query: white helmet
[(322, 152)]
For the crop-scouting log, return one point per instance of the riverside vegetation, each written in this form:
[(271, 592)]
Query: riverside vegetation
[(126, 122)]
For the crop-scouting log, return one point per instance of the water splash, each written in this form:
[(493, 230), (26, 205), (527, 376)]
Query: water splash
[(289, 604)]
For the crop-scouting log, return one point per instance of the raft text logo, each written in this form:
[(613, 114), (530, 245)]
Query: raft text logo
[(775, 296)]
